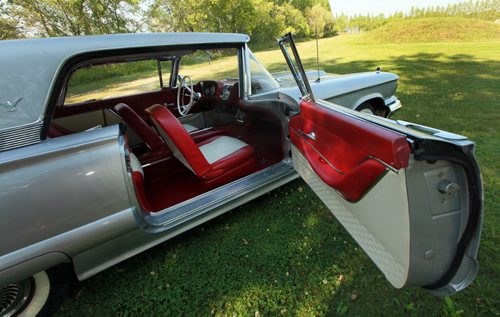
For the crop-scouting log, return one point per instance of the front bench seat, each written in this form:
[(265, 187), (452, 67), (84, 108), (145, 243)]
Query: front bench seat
[(216, 161)]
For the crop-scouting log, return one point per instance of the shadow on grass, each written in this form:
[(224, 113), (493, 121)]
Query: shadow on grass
[(284, 253)]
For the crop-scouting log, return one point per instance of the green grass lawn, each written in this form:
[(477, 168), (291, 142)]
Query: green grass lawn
[(284, 253)]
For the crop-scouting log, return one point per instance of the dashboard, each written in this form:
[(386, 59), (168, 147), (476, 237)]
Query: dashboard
[(215, 91), (208, 88), (226, 91)]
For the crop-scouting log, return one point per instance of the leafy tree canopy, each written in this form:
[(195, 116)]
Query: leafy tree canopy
[(263, 20), (76, 17)]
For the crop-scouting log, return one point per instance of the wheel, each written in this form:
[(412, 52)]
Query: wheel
[(367, 108), (370, 109), (38, 295)]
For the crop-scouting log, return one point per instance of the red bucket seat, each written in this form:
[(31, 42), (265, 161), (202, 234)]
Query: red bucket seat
[(216, 161)]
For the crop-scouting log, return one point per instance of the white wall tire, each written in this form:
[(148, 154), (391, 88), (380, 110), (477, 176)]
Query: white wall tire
[(38, 295)]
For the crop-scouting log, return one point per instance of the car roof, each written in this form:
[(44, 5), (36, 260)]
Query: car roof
[(75, 44), (30, 66)]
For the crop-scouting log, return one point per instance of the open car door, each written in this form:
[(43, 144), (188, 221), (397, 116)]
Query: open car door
[(411, 196)]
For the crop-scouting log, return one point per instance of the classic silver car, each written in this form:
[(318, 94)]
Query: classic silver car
[(99, 164), (369, 92)]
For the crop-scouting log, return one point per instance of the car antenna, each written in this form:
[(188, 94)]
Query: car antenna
[(317, 55)]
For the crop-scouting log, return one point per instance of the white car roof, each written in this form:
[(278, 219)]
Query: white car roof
[(29, 66)]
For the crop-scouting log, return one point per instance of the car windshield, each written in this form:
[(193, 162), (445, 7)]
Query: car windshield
[(262, 81), (213, 64)]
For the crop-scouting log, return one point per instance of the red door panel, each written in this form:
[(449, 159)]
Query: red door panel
[(347, 153)]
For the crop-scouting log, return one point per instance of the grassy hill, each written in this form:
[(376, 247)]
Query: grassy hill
[(433, 30)]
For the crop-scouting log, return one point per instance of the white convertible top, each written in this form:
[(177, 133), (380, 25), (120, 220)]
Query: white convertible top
[(28, 67)]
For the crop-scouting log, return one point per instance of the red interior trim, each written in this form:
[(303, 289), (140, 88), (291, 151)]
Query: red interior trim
[(143, 130), (348, 144), (140, 193), (138, 102), (169, 125)]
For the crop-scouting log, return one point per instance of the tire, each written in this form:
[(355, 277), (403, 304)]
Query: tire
[(38, 295)]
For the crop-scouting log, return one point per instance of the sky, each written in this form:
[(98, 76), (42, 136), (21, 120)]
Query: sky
[(374, 7)]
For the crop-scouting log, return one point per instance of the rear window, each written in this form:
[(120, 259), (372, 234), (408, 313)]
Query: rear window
[(98, 82)]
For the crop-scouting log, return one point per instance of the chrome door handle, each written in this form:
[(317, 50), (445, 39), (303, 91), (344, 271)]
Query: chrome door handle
[(311, 135)]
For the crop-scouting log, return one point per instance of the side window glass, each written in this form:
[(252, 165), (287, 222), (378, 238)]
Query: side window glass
[(98, 82), (261, 80)]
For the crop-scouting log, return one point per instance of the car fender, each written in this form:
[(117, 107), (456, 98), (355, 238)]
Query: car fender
[(63, 195), (377, 97), (32, 266)]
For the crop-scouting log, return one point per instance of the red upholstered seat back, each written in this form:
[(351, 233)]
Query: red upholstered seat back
[(179, 140), (143, 130)]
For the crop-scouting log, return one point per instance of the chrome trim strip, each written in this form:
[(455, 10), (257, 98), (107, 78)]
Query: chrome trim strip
[(304, 161), (311, 135), (392, 169), (247, 76), (201, 130), (199, 205), (300, 133), (394, 107), (20, 136), (156, 162), (317, 151)]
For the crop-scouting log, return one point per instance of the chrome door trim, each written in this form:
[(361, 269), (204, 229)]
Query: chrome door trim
[(222, 196)]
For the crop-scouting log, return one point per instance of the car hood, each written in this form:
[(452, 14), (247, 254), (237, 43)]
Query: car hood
[(333, 85)]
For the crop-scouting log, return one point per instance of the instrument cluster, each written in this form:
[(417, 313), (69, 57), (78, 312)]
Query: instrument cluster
[(209, 88)]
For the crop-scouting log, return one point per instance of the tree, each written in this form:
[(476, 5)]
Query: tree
[(320, 19), (8, 29), (8, 26), (78, 17), (203, 15), (262, 19), (275, 20), (303, 5)]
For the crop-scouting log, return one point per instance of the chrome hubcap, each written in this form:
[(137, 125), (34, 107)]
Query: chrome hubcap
[(14, 296)]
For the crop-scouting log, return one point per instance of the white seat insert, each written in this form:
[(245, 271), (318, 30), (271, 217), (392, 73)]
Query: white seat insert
[(220, 148)]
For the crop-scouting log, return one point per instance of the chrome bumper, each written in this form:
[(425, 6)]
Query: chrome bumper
[(393, 106)]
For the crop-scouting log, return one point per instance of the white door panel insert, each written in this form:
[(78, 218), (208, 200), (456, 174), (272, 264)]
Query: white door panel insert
[(379, 222)]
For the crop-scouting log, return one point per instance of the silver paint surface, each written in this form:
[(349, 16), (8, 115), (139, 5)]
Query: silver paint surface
[(59, 185), (29, 67)]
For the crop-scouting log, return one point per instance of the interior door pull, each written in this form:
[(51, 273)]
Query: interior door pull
[(311, 135)]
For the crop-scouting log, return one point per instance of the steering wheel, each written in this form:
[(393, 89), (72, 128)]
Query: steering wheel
[(185, 89)]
